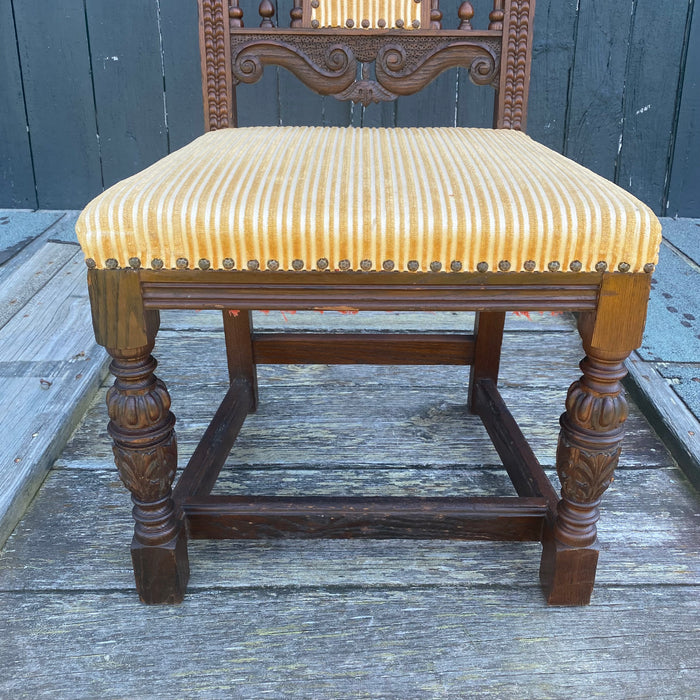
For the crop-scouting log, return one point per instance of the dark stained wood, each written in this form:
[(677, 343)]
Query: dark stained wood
[(363, 348), (238, 334), (522, 466), (206, 462), (241, 517), (488, 330)]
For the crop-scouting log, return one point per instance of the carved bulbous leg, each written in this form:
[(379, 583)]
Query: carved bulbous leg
[(589, 447), (145, 452)]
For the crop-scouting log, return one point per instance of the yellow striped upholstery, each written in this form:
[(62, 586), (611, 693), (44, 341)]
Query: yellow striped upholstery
[(379, 13), (402, 199)]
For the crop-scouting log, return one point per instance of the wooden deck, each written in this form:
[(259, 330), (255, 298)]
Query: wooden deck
[(321, 619), (316, 619)]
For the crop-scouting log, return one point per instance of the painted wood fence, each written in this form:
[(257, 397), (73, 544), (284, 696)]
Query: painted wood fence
[(94, 90)]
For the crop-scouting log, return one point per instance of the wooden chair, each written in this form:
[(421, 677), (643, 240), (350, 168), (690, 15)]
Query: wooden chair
[(368, 219)]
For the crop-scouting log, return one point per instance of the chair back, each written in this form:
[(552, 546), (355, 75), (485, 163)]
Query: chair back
[(365, 51)]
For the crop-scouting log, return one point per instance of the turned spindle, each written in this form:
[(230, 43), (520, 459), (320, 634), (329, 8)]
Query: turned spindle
[(235, 14), (296, 13), (465, 14), (496, 16), (435, 15), (266, 11)]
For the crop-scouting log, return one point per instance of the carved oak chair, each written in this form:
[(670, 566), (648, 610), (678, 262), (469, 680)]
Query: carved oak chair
[(391, 219)]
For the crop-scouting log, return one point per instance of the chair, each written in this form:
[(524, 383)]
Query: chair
[(371, 219)]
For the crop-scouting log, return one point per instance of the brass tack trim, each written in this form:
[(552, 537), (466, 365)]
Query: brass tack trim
[(455, 266), (436, 266), (297, 264), (388, 265), (554, 266), (157, 264), (322, 263), (349, 23), (529, 265), (228, 263), (365, 23), (134, 263), (413, 265), (253, 265), (381, 23), (111, 263), (366, 265), (482, 267), (182, 263), (91, 264), (504, 266), (601, 266), (399, 23), (649, 268), (624, 267), (315, 24), (415, 24), (273, 265), (204, 264), (314, 4), (344, 265), (575, 266)]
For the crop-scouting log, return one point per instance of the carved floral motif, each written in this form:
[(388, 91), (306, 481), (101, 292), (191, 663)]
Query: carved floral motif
[(148, 473), (584, 475)]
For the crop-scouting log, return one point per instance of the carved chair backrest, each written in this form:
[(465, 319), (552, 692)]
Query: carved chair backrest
[(330, 45)]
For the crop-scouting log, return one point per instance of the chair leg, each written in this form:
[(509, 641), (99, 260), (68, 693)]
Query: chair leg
[(488, 332), (589, 441), (238, 331), (145, 452)]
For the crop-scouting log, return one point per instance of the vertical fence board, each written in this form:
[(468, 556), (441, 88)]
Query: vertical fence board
[(650, 99), (53, 50), (552, 61), (128, 83), (684, 188), (183, 88), (16, 176), (594, 126)]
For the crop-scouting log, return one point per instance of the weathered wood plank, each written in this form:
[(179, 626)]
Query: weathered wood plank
[(60, 106), (650, 100), (684, 193), (552, 60), (595, 111), (16, 173), (183, 92), (19, 228), (128, 85), (443, 642)]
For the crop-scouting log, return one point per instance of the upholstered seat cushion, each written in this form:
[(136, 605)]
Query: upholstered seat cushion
[(415, 199)]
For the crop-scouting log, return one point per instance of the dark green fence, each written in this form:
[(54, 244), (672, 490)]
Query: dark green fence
[(94, 90)]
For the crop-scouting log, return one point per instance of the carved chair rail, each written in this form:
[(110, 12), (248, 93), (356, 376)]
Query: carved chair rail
[(366, 63)]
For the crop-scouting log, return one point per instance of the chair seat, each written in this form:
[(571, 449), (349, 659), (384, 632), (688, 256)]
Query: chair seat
[(417, 199)]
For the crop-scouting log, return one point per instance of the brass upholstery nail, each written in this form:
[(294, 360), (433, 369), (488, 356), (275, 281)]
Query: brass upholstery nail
[(253, 265), (436, 266), (530, 265), (575, 266), (381, 23), (366, 265), (297, 264), (273, 265), (111, 263), (344, 265), (90, 263), (228, 263), (455, 266), (504, 266), (624, 267), (349, 23), (322, 264), (482, 267), (399, 23), (135, 263), (415, 23), (413, 265), (365, 23), (182, 263), (314, 23), (388, 265), (649, 268), (157, 264), (204, 264), (601, 266), (553, 266)]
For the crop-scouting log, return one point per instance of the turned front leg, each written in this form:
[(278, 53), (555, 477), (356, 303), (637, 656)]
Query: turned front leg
[(589, 447), (145, 452)]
